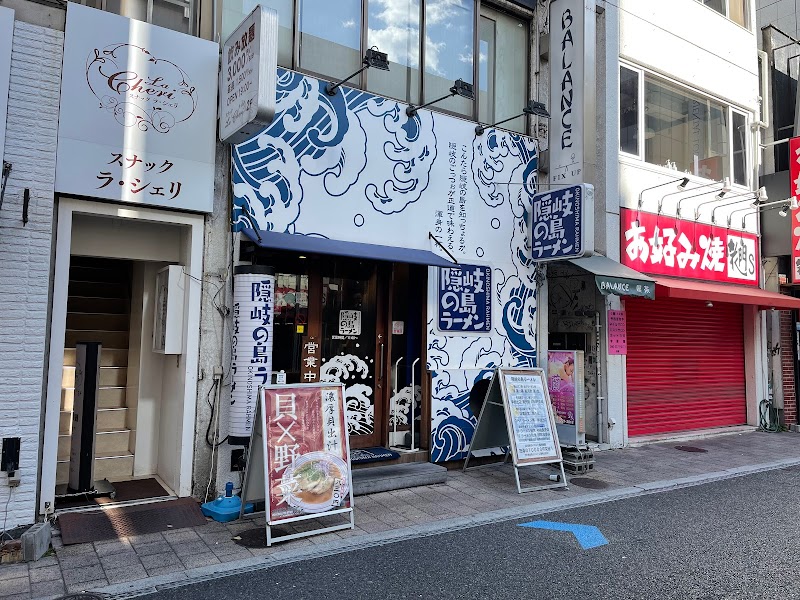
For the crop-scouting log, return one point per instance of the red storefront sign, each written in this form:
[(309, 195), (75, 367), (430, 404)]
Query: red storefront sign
[(308, 468), (794, 182), (664, 245)]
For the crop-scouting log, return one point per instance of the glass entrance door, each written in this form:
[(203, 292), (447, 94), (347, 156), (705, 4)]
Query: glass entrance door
[(352, 344)]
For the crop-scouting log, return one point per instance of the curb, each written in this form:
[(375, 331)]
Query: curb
[(152, 585)]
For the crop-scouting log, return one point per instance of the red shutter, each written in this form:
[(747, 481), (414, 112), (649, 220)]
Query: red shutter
[(685, 365)]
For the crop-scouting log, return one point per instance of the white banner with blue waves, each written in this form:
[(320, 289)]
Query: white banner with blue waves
[(353, 167)]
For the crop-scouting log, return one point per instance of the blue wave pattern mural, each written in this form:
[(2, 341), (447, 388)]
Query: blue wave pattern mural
[(354, 167)]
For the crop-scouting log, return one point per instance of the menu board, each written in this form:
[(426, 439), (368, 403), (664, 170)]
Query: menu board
[(617, 332), (529, 416)]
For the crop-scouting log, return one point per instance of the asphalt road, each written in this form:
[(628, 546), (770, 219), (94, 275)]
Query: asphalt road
[(738, 538)]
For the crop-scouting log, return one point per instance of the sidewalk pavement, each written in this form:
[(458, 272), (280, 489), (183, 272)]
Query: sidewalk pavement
[(136, 565)]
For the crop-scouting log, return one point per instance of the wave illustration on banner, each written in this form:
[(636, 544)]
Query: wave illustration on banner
[(353, 167), (315, 135)]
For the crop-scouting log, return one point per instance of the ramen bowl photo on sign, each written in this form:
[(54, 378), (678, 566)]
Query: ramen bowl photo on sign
[(316, 482)]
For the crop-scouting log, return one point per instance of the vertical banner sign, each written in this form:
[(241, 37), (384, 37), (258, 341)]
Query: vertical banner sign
[(572, 85), (308, 469), (309, 360), (617, 333), (794, 183), (465, 299), (6, 37), (251, 352), (562, 223)]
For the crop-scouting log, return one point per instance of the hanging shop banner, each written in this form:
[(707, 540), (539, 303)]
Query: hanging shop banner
[(251, 350), (617, 333), (562, 223), (572, 85), (465, 299), (518, 413), (138, 112), (664, 245), (565, 383), (248, 77), (794, 182), (6, 38), (299, 463)]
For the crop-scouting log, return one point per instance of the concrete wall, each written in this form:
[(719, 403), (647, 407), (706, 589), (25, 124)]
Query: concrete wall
[(25, 251)]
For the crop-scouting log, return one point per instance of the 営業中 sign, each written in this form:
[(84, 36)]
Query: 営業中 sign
[(300, 457), (562, 223), (465, 299), (248, 78)]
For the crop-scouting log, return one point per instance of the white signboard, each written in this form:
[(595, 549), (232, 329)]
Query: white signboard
[(6, 36), (349, 322), (247, 88), (251, 345), (572, 84), (138, 112), (530, 418)]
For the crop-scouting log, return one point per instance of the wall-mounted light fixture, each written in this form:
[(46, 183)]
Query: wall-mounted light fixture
[(537, 109), (783, 207), (759, 196), (460, 88), (682, 183), (372, 58), (726, 187)]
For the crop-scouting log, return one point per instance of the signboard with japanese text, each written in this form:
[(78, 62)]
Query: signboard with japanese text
[(138, 112), (465, 299), (617, 333), (572, 85), (310, 360), (6, 38), (518, 413), (251, 345), (664, 245), (299, 462), (248, 76), (562, 223), (794, 183), (350, 322)]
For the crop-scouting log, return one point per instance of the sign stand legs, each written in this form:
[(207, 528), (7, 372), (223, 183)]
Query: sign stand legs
[(561, 483), (271, 539)]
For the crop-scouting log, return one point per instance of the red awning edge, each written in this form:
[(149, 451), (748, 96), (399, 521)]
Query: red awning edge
[(721, 292)]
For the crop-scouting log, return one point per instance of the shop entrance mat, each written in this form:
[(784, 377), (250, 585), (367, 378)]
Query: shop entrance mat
[(135, 489), (113, 523)]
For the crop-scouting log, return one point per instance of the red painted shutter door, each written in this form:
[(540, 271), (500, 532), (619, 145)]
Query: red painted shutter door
[(685, 365)]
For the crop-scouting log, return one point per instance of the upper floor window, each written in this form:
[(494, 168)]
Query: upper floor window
[(178, 15), (429, 43), (675, 127), (737, 11)]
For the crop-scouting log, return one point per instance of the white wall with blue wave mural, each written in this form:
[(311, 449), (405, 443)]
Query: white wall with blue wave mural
[(354, 167)]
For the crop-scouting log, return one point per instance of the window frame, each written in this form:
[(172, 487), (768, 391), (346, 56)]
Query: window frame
[(193, 5), (730, 109), (362, 81), (727, 15)]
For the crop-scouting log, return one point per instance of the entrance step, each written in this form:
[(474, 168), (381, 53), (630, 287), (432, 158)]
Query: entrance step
[(98, 321), (109, 397), (109, 377), (109, 357), (112, 339), (396, 477)]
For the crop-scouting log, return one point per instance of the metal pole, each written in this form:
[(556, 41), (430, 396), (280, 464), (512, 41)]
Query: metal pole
[(413, 398), (600, 397), (392, 412)]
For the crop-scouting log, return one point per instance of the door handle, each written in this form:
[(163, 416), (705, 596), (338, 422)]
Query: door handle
[(382, 349)]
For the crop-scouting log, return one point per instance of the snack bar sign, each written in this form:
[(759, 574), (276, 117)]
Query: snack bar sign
[(465, 300), (664, 245), (562, 223)]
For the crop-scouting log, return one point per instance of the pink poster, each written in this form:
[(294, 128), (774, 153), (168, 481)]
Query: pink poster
[(617, 332), (561, 384)]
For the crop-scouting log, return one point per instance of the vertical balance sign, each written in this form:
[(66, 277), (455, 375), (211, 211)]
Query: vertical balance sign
[(794, 182)]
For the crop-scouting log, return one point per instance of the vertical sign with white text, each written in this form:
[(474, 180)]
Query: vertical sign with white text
[(572, 84), (794, 183)]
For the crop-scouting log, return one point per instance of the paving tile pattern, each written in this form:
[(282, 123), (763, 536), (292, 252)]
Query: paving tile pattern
[(481, 490)]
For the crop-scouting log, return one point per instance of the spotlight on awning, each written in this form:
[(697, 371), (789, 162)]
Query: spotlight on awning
[(537, 109), (459, 88), (373, 58)]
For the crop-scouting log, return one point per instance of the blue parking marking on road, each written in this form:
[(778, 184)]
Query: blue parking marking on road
[(588, 536)]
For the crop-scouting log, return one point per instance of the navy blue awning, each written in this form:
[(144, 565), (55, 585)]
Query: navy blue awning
[(318, 245)]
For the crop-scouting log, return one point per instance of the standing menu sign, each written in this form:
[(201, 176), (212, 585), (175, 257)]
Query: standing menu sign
[(517, 413), (299, 462)]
